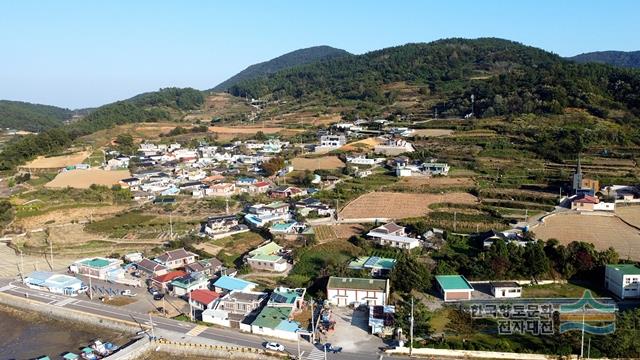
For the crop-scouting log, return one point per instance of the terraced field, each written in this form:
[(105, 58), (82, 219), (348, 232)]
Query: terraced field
[(390, 205)]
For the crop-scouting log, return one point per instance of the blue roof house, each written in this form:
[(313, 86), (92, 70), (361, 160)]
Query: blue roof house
[(55, 283), (228, 283)]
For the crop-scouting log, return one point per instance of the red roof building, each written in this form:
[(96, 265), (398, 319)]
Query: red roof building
[(162, 281), (203, 299)]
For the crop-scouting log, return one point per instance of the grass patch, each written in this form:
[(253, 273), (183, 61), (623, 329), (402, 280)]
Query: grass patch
[(558, 291), (233, 247)]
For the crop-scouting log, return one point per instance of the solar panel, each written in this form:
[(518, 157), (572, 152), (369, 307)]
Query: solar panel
[(371, 261)]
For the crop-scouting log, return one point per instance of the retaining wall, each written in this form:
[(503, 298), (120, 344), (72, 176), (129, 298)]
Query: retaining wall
[(218, 351), (474, 354)]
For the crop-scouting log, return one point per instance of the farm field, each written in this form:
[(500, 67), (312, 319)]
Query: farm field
[(432, 132), (423, 182), (83, 179), (630, 214), (327, 233), (42, 162), (601, 231), (324, 162), (390, 205)]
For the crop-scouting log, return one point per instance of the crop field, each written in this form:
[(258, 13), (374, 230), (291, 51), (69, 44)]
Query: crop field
[(57, 161), (83, 179), (390, 205), (327, 233), (630, 214), (601, 231), (324, 162), (424, 183), (433, 132)]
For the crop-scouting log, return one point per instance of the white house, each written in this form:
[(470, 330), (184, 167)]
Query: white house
[(355, 291), (174, 259), (394, 147), (623, 280), (505, 289), (393, 235)]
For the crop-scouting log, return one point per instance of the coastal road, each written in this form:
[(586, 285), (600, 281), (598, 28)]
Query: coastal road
[(173, 329)]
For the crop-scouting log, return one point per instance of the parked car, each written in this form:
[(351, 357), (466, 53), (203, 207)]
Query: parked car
[(274, 346), (158, 296), (127, 293), (330, 348)]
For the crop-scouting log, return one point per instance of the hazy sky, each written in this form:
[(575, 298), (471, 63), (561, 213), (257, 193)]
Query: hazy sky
[(88, 53)]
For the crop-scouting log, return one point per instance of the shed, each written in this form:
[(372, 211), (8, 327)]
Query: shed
[(454, 287)]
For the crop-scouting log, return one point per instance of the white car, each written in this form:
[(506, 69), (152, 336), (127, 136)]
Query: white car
[(274, 346), (127, 293)]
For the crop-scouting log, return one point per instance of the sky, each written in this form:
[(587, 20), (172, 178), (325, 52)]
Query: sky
[(78, 53)]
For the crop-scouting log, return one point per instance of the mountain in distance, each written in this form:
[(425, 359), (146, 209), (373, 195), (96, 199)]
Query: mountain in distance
[(286, 61), (627, 59), (505, 78), (31, 117)]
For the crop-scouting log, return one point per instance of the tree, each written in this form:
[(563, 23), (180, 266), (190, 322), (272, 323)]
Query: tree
[(273, 166), (125, 144), (535, 260), (410, 274), (460, 322), (421, 319)]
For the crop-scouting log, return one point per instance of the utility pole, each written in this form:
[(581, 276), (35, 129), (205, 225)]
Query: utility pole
[(227, 205), (90, 289), (298, 338), (411, 331), (171, 226), (51, 250), (153, 333), (313, 326), (455, 219), (582, 342), (21, 264)]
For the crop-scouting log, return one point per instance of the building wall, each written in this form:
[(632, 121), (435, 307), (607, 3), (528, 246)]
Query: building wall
[(345, 297), (280, 334), (623, 286), (267, 265), (457, 295), (509, 292)]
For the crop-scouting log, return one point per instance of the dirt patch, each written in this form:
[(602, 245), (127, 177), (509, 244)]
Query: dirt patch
[(364, 144), (57, 161), (393, 205), (68, 215), (82, 179), (325, 162), (601, 231), (433, 132)]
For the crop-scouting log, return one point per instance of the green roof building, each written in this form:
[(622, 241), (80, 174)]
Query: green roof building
[(623, 280), (454, 287)]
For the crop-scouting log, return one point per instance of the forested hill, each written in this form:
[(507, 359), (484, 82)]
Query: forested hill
[(288, 60), (505, 78), (31, 117), (627, 59), (147, 107)]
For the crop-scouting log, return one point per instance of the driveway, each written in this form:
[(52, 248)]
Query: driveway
[(352, 332)]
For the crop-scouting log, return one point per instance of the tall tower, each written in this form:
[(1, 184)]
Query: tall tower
[(577, 177)]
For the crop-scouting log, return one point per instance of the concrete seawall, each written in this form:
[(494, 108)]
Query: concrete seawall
[(218, 351), (62, 313)]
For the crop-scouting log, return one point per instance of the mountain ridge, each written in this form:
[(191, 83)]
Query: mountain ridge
[(284, 61), (626, 59)]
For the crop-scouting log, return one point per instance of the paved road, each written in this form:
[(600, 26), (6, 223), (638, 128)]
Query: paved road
[(173, 329)]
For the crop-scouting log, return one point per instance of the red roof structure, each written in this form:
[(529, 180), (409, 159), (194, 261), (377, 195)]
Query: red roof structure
[(203, 296), (169, 276)]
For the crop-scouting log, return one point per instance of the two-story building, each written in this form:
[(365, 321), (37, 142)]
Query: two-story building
[(178, 258), (623, 280), (343, 291)]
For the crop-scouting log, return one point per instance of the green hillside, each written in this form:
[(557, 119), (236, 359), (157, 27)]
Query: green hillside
[(152, 106), (288, 60), (31, 117), (505, 78), (627, 59)]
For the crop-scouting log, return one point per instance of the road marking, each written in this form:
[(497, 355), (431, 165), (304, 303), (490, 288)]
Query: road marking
[(315, 354), (64, 302), (5, 288), (197, 330)]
